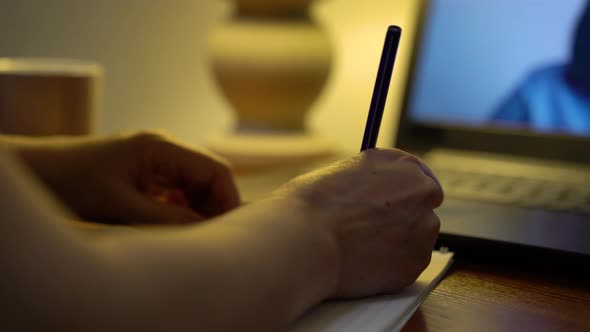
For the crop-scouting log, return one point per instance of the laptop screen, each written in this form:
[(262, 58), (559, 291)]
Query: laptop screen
[(504, 64)]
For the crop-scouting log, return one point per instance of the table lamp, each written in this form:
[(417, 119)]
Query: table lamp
[(271, 61)]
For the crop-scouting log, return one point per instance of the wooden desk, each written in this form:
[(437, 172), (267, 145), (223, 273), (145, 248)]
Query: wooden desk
[(506, 296)]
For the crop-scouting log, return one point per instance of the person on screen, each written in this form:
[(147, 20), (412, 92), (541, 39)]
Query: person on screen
[(555, 98), (358, 227)]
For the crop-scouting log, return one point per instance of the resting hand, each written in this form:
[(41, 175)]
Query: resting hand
[(140, 178)]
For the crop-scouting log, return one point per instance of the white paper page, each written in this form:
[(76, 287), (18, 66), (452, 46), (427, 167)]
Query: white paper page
[(379, 313)]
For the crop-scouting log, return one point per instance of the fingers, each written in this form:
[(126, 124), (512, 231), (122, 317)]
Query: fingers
[(379, 207), (423, 238), (428, 229), (206, 180), (224, 189), (419, 191), (137, 208), (433, 186), (437, 194)]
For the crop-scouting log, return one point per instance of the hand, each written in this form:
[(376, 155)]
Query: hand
[(378, 206), (140, 178)]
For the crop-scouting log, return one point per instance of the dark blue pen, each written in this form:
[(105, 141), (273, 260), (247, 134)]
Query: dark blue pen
[(392, 39)]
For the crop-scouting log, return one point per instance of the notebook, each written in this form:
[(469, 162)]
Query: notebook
[(498, 104), (379, 313)]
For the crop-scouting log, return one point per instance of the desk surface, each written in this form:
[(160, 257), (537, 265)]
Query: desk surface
[(491, 296)]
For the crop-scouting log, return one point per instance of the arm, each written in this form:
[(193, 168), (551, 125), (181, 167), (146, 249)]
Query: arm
[(44, 265), (256, 268), (209, 277)]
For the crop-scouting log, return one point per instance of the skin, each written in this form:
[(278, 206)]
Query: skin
[(126, 176), (359, 227)]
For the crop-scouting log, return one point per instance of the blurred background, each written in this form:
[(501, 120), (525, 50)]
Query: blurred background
[(156, 67)]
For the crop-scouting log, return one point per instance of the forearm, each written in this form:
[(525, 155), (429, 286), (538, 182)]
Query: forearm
[(257, 268), (51, 278), (44, 157), (63, 165)]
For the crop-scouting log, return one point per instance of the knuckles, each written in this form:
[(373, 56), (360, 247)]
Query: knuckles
[(224, 167), (157, 140), (401, 280), (406, 276), (434, 225), (388, 155), (408, 158), (139, 142), (423, 262), (149, 137)]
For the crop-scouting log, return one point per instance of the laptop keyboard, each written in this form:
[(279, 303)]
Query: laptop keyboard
[(518, 191)]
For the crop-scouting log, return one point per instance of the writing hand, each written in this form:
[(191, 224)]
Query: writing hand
[(378, 208)]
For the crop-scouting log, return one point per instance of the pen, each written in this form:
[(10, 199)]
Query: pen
[(392, 39)]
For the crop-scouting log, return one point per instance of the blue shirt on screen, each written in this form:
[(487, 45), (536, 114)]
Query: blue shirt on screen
[(546, 102)]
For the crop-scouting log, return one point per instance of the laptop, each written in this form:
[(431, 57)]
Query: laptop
[(498, 104)]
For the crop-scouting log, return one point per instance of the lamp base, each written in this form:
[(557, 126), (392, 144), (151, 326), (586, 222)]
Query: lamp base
[(263, 151)]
